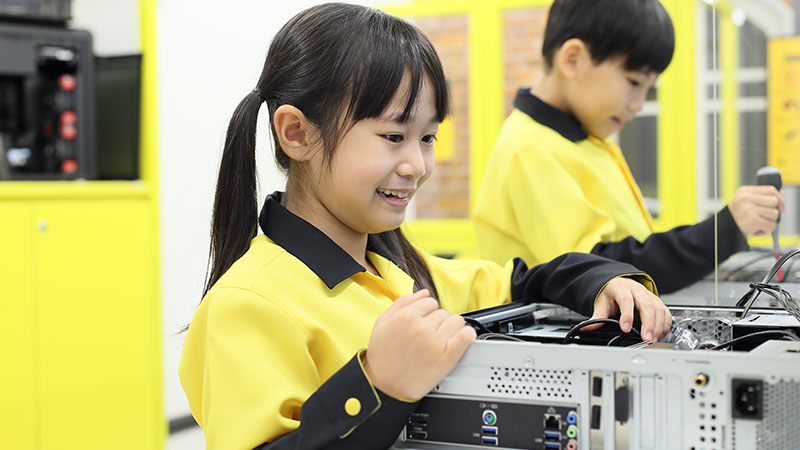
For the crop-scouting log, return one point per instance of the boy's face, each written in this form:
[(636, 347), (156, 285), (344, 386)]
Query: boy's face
[(604, 97)]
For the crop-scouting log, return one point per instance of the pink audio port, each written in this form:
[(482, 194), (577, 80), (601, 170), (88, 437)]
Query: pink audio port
[(572, 444)]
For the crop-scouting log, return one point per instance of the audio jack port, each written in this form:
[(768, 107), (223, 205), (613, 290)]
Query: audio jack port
[(572, 445), (701, 379), (572, 431), (572, 417)]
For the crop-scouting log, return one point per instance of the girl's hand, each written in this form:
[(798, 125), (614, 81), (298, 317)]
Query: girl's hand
[(413, 345), (620, 296)]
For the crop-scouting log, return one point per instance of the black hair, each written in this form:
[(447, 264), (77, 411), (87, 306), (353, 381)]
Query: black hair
[(338, 64), (639, 30)]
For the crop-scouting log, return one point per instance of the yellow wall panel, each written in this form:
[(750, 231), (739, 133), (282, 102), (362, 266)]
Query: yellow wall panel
[(17, 330)]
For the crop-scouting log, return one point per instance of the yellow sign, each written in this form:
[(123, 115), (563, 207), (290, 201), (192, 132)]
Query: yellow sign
[(783, 95)]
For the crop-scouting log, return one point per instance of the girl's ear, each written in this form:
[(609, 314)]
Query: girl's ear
[(572, 58), (294, 132)]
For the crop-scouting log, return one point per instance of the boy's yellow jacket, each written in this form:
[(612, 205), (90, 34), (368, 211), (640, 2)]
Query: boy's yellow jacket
[(544, 194), (550, 189)]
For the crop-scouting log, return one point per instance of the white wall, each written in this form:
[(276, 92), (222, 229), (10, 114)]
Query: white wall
[(210, 55), (114, 25)]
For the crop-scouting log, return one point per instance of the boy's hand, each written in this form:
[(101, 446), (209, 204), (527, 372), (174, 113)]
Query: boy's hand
[(413, 345), (756, 209), (620, 296)]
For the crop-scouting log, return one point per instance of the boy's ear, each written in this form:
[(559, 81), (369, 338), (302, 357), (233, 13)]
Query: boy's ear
[(294, 132), (572, 58)]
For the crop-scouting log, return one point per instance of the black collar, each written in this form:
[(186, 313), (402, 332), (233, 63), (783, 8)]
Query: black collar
[(566, 125), (310, 245)]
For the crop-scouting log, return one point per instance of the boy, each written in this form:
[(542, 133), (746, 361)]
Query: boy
[(556, 183)]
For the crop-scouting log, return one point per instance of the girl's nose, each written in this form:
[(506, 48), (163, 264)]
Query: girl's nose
[(413, 163)]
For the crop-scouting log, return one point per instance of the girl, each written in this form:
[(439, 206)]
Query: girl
[(325, 330)]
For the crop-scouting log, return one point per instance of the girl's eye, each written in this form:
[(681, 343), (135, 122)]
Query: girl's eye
[(429, 139), (633, 82), (394, 138)]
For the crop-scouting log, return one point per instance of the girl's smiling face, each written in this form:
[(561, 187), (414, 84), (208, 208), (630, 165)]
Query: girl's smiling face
[(376, 169)]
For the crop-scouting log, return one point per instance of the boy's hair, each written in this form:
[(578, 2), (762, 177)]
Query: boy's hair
[(338, 64), (639, 30)]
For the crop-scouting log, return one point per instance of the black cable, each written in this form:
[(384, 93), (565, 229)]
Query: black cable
[(574, 330), (476, 324), (782, 333), (788, 269)]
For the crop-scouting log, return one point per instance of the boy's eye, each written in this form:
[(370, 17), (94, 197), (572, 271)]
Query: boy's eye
[(633, 82), (394, 138), (429, 139)]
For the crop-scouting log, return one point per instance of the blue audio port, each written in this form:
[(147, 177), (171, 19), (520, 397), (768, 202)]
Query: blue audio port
[(572, 417)]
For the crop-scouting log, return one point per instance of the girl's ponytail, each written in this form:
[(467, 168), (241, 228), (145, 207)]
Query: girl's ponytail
[(338, 64), (235, 219)]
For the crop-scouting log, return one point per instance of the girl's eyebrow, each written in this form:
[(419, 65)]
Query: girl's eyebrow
[(396, 119)]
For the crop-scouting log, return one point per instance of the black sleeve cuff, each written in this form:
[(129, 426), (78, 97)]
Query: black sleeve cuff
[(573, 280), (347, 413), (348, 408)]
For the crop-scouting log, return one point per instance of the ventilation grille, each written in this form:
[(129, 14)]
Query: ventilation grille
[(779, 428), (531, 383)]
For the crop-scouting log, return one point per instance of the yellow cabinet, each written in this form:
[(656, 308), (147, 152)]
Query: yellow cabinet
[(79, 319), (18, 424)]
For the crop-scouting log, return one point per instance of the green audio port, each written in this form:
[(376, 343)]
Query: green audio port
[(572, 431)]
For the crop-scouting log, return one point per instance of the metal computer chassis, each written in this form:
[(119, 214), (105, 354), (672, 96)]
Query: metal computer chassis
[(531, 395)]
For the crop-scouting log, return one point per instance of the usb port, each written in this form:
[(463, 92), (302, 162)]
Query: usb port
[(552, 445), (489, 440), (490, 431), (418, 420), (418, 435), (551, 436)]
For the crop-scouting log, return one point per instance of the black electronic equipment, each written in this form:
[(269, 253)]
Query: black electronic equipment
[(118, 108), (42, 11), (47, 105)]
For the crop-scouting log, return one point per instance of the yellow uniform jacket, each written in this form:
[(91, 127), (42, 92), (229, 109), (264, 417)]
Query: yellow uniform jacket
[(550, 189), (273, 356)]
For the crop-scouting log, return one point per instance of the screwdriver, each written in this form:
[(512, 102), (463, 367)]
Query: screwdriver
[(770, 176)]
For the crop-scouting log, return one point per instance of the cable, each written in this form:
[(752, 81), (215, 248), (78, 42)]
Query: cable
[(576, 329), (788, 269), (476, 324), (499, 337), (783, 297), (730, 273), (783, 334), (613, 340), (786, 300)]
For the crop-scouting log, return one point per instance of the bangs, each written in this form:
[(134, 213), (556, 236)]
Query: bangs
[(653, 44), (386, 51)]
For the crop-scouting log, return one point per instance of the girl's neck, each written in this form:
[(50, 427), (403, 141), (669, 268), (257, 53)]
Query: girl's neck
[(355, 244)]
